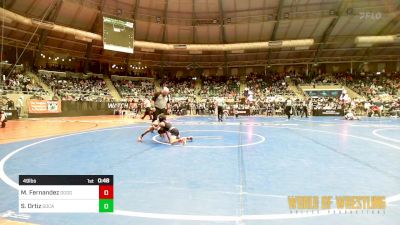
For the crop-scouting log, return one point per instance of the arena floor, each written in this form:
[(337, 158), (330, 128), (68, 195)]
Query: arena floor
[(237, 172)]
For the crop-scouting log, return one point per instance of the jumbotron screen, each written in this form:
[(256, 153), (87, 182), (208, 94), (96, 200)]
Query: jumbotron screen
[(118, 35)]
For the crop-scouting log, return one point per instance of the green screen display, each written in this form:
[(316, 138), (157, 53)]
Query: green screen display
[(118, 35)]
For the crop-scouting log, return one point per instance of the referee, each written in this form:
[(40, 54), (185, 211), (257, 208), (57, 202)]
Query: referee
[(288, 108), (161, 100), (220, 108)]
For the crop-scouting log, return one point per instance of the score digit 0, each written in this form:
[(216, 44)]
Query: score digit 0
[(106, 192)]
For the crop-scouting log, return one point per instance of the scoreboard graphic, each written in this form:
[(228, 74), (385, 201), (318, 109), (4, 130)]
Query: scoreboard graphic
[(118, 35), (66, 194)]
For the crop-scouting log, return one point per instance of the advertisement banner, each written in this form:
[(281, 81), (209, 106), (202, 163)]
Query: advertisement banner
[(243, 112), (44, 106), (117, 105), (328, 112)]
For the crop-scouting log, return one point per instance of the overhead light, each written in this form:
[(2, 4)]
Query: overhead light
[(275, 43), (237, 51), (297, 48), (180, 46), (147, 49), (42, 24), (195, 52), (5, 19), (49, 57), (378, 73), (62, 60), (363, 45), (377, 39), (113, 66), (70, 60)]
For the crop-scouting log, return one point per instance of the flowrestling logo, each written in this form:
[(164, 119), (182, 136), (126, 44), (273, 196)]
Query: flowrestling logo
[(337, 204)]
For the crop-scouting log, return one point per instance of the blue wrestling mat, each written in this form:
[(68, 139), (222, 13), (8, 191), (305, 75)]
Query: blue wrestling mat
[(240, 171)]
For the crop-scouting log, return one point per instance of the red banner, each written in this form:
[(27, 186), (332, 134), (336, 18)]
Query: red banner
[(44, 106)]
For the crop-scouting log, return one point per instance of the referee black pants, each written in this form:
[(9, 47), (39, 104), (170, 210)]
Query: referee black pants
[(220, 113), (147, 113), (304, 111), (287, 111), (158, 112)]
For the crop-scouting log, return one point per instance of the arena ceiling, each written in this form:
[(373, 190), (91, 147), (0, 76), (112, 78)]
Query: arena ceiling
[(333, 24)]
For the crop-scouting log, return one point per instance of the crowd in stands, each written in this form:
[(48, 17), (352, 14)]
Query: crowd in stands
[(317, 79), (379, 92), (133, 89), (19, 83), (369, 85), (269, 85), (180, 87), (376, 86), (220, 87), (77, 89)]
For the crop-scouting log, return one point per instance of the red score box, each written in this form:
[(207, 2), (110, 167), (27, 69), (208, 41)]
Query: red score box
[(106, 192)]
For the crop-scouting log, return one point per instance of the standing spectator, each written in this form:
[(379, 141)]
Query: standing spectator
[(147, 107), (10, 104), (20, 104), (3, 119), (288, 108), (220, 108), (304, 110)]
